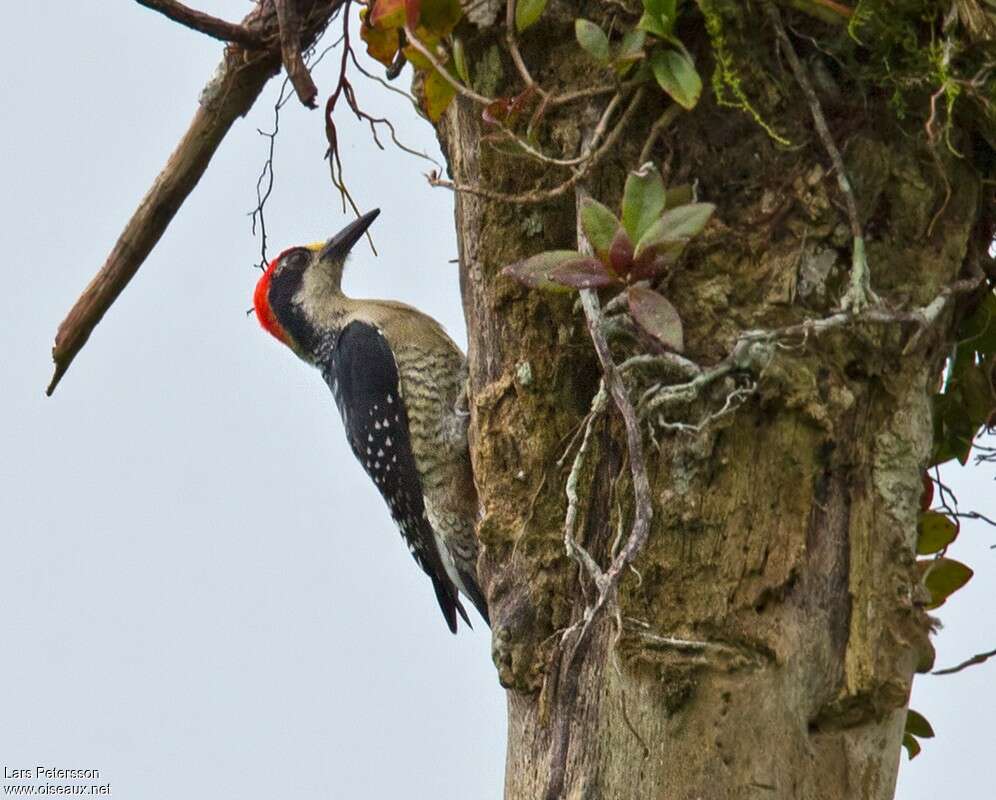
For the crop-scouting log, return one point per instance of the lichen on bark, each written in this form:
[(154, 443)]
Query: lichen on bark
[(777, 600)]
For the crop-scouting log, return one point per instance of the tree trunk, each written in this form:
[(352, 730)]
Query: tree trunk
[(773, 624)]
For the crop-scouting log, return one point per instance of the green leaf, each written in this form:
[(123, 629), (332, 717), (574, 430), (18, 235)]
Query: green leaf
[(680, 195), (630, 50), (658, 17), (460, 60), (657, 317), (912, 745), (437, 92), (978, 332), (677, 76), (934, 531), (438, 17), (413, 11), (655, 25), (917, 725), (382, 43), (592, 39), (534, 271), (582, 273), (527, 12), (954, 432), (943, 577), (677, 225), (599, 225), (977, 400), (643, 202)]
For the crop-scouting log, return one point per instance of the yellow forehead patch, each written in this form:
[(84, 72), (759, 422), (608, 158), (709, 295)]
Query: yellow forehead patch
[(314, 247)]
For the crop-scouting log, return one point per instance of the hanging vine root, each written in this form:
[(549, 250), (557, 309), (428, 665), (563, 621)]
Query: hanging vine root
[(859, 294)]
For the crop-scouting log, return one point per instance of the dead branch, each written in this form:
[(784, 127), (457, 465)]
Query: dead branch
[(976, 659), (208, 25), (290, 53), (228, 95), (513, 47)]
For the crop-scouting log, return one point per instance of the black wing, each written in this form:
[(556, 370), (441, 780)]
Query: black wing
[(363, 376)]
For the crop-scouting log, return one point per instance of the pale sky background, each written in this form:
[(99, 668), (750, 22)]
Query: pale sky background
[(201, 593)]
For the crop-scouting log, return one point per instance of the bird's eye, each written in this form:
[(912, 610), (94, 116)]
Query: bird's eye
[(298, 259)]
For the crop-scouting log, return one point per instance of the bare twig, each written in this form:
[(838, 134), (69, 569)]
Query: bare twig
[(208, 25), (290, 53), (264, 183), (976, 659), (543, 195), (480, 99), (458, 87), (859, 294), (664, 121), (513, 47), (229, 95)]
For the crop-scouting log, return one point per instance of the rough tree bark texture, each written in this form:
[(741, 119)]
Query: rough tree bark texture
[(783, 535)]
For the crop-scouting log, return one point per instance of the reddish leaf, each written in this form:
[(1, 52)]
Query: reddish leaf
[(388, 14), (534, 272), (582, 273), (413, 10), (521, 101), (621, 253), (935, 531), (943, 577), (506, 110), (496, 112), (652, 261), (657, 317), (927, 496)]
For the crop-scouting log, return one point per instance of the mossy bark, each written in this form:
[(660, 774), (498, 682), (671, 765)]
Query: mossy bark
[(783, 535)]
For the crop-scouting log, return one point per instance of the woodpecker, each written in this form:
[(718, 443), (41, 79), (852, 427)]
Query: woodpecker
[(398, 380)]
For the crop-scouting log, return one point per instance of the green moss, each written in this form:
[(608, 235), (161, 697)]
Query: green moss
[(488, 72), (925, 62), (727, 83)]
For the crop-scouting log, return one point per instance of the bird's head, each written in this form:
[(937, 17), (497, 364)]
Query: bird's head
[(299, 294)]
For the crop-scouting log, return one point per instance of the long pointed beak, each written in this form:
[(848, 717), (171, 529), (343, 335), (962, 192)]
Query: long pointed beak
[(338, 247)]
